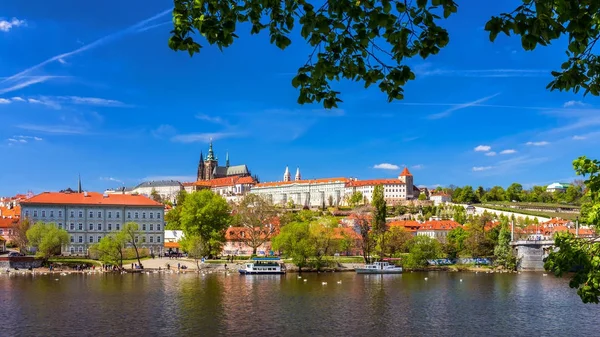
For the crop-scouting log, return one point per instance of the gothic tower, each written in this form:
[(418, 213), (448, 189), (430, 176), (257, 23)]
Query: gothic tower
[(200, 175), (210, 164), (298, 176), (287, 176)]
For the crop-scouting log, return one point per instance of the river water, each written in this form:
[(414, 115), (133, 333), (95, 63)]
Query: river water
[(527, 304)]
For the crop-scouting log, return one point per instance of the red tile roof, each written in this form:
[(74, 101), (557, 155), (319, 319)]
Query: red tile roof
[(172, 245), (439, 225), (410, 225), (308, 181), (92, 198), (222, 182), (14, 212), (405, 172), (373, 182)]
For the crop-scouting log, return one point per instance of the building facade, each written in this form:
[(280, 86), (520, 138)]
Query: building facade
[(89, 216), (394, 190), (440, 198), (303, 193)]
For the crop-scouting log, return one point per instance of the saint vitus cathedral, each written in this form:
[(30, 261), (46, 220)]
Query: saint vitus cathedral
[(209, 169)]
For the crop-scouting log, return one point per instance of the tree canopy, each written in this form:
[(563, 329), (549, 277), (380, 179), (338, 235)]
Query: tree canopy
[(370, 41), (47, 239)]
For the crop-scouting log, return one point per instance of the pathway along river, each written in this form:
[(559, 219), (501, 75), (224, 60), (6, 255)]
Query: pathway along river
[(527, 304)]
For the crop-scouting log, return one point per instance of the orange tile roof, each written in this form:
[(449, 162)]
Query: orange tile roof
[(222, 182), (8, 222), (410, 225), (373, 182), (192, 183), (92, 198), (246, 180), (172, 245), (341, 232), (14, 212), (439, 225), (308, 181), (405, 172)]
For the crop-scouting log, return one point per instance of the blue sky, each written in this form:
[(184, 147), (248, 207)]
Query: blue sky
[(92, 88)]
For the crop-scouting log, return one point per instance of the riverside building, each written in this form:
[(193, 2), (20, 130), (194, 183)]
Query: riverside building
[(89, 216)]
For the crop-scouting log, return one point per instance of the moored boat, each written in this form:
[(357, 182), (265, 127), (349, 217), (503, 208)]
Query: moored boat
[(263, 265), (379, 268)]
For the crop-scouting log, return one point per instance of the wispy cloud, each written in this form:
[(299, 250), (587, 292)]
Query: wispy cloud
[(569, 104), (201, 137), (93, 101), (579, 137), (542, 143), (25, 83), (62, 61), (6, 25), (178, 178), (212, 119), (4, 101), (482, 148), (53, 129), (46, 102), (490, 154), (426, 69), (481, 168), (17, 99), (386, 166), (28, 137), (461, 106), (164, 130), (99, 42), (417, 166), (112, 179), (508, 151)]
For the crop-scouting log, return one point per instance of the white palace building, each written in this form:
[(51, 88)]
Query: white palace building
[(333, 191)]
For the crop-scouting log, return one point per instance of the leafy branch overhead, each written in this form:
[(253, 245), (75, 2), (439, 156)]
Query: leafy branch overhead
[(370, 41), (359, 40)]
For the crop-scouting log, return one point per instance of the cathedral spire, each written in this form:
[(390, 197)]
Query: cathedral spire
[(227, 159), (79, 184), (210, 155), (286, 175), (298, 176)]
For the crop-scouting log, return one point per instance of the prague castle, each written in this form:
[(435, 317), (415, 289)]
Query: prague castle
[(209, 169)]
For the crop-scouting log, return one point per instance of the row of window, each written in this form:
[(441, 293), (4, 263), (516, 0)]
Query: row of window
[(99, 237), (109, 227), (109, 214)]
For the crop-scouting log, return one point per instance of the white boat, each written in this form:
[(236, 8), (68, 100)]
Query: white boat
[(379, 268), (263, 265)]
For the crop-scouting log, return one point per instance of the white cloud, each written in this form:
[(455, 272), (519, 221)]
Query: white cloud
[(579, 137), (93, 101), (4, 101), (30, 81), (508, 151), (417, 167), (17, 99), (490, 154), (483, 148), (461, 106), (481, 168), (542, 143), (28, 137), (13, 140), (386, 166), (201, 137), (574, 103), (62, 61), (46, 102), (427, 70), (5, 25)]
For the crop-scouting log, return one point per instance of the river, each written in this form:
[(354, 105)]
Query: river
[(527, 304)]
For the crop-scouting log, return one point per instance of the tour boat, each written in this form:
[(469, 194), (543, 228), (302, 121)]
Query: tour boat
[(379, 268), (264, 265)]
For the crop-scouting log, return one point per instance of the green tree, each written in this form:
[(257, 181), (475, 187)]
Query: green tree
[(19, 236), (294, 240), (480, 194), (255, 215), (110, 249), (356, 198), (194, 246), (322, 238), (422, 196), (573, 194), (205, 214), (514, 192), (467, 195), (456, 241), (131, 234), (496, 193), (395, 241), (372, 41), (457, 195), (420, 249), (503, 251), (459, 214), (478, 244), (47, 239), (173, 217), (155, 196), (379, 225)]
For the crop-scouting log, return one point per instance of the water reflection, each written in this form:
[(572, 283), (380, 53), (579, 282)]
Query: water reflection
[(349, 304)]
